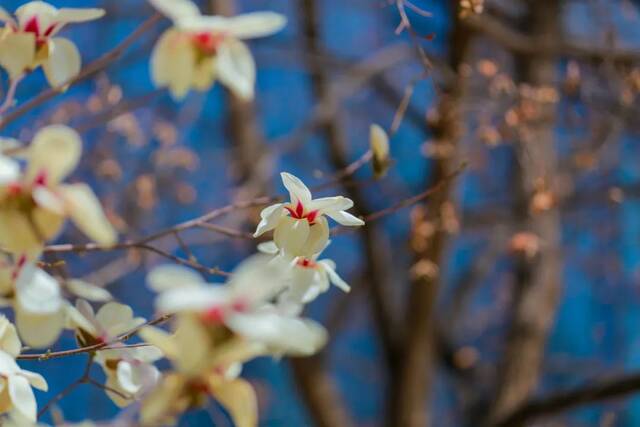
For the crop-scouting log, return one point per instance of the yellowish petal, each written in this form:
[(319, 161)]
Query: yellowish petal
[(17, 53), (86, 212), (236, 68), (256, 24), (239, 398), (54, 152), (173, 61), (63, 63)]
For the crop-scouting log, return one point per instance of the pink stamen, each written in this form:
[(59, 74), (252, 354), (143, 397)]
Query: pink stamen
[(306, 263), (207, 43), (41, 178), (299, 213), (14, 189), (213, 316), (240, 305), (32, 26)]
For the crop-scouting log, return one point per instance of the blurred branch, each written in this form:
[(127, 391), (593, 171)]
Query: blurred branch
[(523, 44), (92, 68), (413, 374), (537, 274), (376, 255), (595, 392)]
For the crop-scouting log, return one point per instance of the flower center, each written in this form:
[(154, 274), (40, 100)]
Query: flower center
[(33, 26), (306, 263), (215, 315), (298, 212), (207, 43)]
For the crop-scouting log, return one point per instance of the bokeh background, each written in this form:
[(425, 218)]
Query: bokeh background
[(538, 99)]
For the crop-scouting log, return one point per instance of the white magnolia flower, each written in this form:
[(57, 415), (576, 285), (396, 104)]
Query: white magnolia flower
[(15, 388), (200, 49), (9, 341), (112, 320), (241, 305), (34, 206), (36, 299), (28, 41), (309, 277), (129, 371), (300, 227)]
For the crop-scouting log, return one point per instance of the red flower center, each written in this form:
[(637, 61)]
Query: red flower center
[(207, 43), (33, 26), (299, 213), (306, 263)]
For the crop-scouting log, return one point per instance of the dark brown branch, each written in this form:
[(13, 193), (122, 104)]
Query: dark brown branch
[(595, 392)]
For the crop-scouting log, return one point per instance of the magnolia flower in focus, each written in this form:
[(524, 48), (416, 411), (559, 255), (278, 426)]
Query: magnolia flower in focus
[(309, 278), (199, 49), (28, 41), (130, 372), (300, 227), (34, 205), (240, 305), (112, 320), (36, 299)]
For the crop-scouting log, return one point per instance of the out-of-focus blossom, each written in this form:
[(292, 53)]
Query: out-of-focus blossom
[(242, 305), (379, 145), (309, 277), (130, 372), (111, 320), (300, 227), (9, 341), (16, 395), (200, 49), (34, 206), (36, 299), (28, 41)]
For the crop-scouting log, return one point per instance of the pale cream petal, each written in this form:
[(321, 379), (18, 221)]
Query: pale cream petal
[(22, 396), (9, 341), (204, 74), (39, 331), (74, 15), (164, 400), (116, 319), (63, 64), (17, 53), (42, 11), (165, 277), (269, 247), (239, 399), (86, 212), (8, 366), (176, 9), (113, 383), (48, 224), (256, 24), (9, 170), (48, 199), (270, 216), (54, 152), (17, 234), (36, 380), (192, 299), (345, 218), (37, 292), (291, 235), (88, 291), (76, 318), (333, 276), (194, 344), (325, 204), (160, 339), (318, 238), (298, 191), (173, 61), (257, 279), (236, 68)]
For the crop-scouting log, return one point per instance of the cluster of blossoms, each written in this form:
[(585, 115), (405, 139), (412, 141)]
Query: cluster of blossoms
[(215, 328)]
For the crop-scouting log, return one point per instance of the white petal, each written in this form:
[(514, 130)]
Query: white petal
[(86, 212), (161, 340), (236, 68), (126, 378), (257, 279), (44, 12), (270, 216), (114, 384), (173, 62), (176, 9), (291, 235), (64, 62), (37, 292), (165, 277), (36, 380), (269, 247), (54, 151), (22, 396), (239, 399), (75, 15), (17, 53), (345, 218), (49, 200), (327, 204), (9, 341), (8, 365), (298, 192), (335, 279), (9, 170), (256, 24), (75, 318), (117, 319), (39, 331), (317, 239), (88, 291), (192, 299)]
